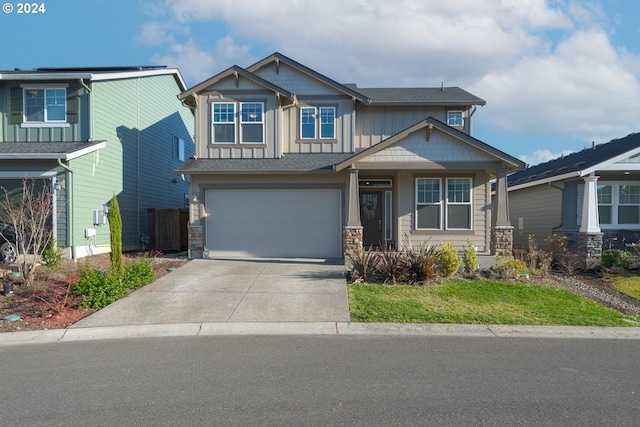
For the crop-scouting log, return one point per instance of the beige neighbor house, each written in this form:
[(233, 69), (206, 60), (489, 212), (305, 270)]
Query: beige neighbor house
[(290, 163), (592, 197)]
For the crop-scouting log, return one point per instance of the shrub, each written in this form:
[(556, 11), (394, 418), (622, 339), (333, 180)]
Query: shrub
[(115, 234), (508, 267), (363, 265), (421, 264), (52, 255), (98, 288), (138, 274), (448, 259), (469, 258), (615, 258), (390, 264)]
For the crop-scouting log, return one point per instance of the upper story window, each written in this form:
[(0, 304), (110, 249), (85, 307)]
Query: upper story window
[(251, 122), (44, 105), (317, 123), (247, 126), (224, 123), (178, 148), (454, 118)]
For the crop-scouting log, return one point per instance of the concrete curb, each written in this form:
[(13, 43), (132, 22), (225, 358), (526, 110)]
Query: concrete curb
[(315, 328)]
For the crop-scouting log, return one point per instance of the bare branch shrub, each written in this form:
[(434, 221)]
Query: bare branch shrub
[(29, 210)]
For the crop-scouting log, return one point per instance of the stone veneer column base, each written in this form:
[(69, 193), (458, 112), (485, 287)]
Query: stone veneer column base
[(590, 249), (196, 241), (352, 240), (502, 240)]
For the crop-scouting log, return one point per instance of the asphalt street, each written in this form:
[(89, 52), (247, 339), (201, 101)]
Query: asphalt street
[(354, 380)]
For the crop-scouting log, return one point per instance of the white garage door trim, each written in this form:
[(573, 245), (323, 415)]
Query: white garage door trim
[(273, 223)]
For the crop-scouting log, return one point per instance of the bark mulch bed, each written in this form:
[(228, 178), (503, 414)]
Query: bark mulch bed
[(49, 304)]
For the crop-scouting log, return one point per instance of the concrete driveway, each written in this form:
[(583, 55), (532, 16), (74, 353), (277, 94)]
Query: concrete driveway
[(206, 291)]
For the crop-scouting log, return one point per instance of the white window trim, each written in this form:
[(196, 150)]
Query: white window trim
[(317, 131), (470, 204), (261, 122), (427, 204), (213, 123), (616, 204), (461, 118), (44, 123), (315, 123), (319, 124)]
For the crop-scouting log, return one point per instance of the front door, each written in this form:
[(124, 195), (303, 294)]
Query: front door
[(371, 207)]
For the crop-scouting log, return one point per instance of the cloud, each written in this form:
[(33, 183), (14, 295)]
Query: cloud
[(541, 156), (544, 67)]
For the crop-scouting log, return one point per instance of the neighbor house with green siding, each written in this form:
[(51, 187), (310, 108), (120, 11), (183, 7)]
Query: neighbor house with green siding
[(91, 133)]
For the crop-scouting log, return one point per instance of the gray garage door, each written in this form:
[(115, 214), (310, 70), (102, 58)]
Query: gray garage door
[(274, 223)]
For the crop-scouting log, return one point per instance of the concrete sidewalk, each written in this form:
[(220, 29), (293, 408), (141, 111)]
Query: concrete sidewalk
[(211, 291)]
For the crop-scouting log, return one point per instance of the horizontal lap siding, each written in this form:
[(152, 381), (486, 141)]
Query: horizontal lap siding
[(138, 119), (534, 210), (406, 212)]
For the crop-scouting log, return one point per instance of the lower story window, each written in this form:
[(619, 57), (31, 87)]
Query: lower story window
[(430, 200)]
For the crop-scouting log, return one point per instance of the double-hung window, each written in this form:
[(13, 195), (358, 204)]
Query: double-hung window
[(456, 200), (224, 122), (233, 122), (459, 203), (605, 204), (317, 123), (428, 204), (45, 105), (629, 204), (252, 122)]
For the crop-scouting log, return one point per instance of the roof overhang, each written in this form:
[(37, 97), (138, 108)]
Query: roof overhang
[(236, 72), (511, 163), (58, 151)]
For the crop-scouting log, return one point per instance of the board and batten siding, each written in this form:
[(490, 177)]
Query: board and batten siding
[(11, 105), (138, 118), (534, 210), (343, 143), (375, 123)]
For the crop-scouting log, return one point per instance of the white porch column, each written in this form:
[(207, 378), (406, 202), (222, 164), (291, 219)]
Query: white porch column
[(500, 214), (590, 222)]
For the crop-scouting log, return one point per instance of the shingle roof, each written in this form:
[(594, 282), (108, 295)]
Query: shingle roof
[(576, 162), (444, 95), (295, 162), (47, 150)]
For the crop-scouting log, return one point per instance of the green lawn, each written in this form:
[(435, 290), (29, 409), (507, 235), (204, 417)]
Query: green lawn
[(481, 301), (628, 285)]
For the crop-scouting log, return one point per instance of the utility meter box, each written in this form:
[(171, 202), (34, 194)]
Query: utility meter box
[(89, 232), (99, 218)]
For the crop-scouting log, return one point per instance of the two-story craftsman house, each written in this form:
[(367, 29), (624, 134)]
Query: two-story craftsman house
[(290, 163), (91, 133)]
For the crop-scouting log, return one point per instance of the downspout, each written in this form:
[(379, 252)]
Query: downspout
[(137, 159), (69, 189), (89, 108), (473, 111), (561, 207), (280, 142)]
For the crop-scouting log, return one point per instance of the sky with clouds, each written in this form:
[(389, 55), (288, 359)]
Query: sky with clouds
[(557, 75)]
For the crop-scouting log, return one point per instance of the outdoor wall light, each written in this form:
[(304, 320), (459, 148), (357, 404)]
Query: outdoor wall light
[(194, 198)]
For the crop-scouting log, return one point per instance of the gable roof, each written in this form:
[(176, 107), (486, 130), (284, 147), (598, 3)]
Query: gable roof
[(93, 73), (237, 72), (430, 123), (48, 150), (578, 164), (278, 57), (440, 96)]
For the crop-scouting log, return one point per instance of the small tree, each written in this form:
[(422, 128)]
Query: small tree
[(115, 233), (29, 211)]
